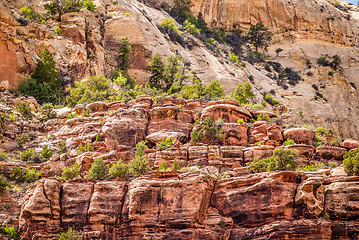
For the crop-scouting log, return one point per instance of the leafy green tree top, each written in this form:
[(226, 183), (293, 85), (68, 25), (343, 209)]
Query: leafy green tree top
[(259, 36)]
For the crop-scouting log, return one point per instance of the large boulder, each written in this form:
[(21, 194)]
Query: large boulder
[(299, 135), (266, 132), (125, 128), (228, 112)]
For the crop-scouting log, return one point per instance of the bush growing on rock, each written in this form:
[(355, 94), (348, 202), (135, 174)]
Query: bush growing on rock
[(69, 235), (46, 153), (31, 156), (282, 159), (207, 130), (169, 26), (263, 117), (47, 112), (24, 175), (70, 173), (61, 147), (63, 6), (24, 109), (10, 232), (289, 142), (191, 27), (3, 155), (23, 139), (139, 165), (29, 12), (118, 169), (243, 92), (3, 184), (98, 170), (163, 145), (351, 162), (176, 165), (97, 88), (86, 147), (163, 167)]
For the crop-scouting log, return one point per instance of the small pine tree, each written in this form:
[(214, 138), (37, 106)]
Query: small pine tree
[(44, 84), (118, 169), (124, 54), (139, 165), (157, 68), (98, 170), (259, 36)]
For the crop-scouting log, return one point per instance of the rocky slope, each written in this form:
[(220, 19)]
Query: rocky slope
[(305, 30), (219, 198)]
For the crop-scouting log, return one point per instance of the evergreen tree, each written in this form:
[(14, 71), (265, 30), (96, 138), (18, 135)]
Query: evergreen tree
[(181, 9), (259, 36), (44, 84), (157, 68), (124, 54), (201, 24), (242, 92)]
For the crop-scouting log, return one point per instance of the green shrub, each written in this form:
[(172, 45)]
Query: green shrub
[(23, 139), (191, 27), (98, 170), (254, 57), (87, 147), (57, 30), (312, 168), (89, 5), (213, 90), (207, 129), (48, 112), (10, 232), (44, 84), (29, 12), (243, 92), (263, 117), (163, 167), (240, 121), (282, 159), (72, 115), (3, 155), (163, 145), (351, 162), (70, 173), (86, 113), (24, 109), (97, 88), (176, 165), (24, 175), (234, 58), (211, 43), (139, 165), (119, 169), (69, 235), (31, 156), (269, 99), (61, 147), (289, 142), (46, 153), (3, 184), (169, 26)]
